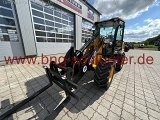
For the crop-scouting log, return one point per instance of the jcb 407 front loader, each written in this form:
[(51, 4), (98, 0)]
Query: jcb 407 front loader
[(103, 53)]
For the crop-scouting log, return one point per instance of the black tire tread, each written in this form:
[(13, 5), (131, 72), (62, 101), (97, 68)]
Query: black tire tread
[(101, 73)]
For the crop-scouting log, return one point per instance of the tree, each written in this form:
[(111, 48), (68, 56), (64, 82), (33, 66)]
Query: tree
[(146, 43)]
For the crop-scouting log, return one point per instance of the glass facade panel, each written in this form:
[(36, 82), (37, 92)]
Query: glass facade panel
[(8, 30), (39, 33), (86, 30), (65, 22), (50, 29), (36, 6), (50, 35), (49, 17), (49, 23), (39, 27), (53, 23), (49, 11), (37, 13), (51, 39), (6, 12), (39, 39), (65, 17), (58, 25), (59, 35), (38, 20), (5, 3), (59, 40), (57, 14), (7, 21), (57, 19)]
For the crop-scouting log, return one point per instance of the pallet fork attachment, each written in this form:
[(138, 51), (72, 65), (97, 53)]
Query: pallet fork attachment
[(56, 78)]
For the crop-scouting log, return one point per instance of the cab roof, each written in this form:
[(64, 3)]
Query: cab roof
[(112, 19)]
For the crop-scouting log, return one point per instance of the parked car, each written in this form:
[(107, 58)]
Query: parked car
[(141, 45)]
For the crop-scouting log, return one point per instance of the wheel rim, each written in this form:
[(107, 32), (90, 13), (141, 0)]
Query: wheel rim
[(111, 74)]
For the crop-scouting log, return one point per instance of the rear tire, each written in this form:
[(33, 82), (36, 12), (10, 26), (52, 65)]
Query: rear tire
[(104, 74)]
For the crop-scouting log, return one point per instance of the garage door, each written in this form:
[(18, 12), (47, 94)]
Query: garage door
[(86, 30), (53, 27), (10, 44)]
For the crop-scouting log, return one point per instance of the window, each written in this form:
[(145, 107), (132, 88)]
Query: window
[(7, 21), (50, 29), (39, 27), (49, 23), (8, 30), (65, 31), (71, 19), (37, 13), (65, 40), (65, 36), (38, 33), (36, 6), (51, 39), (49, 11), (6, 12), (38, 20), (72, 37), (57, 14), (5, 3), (58, 25), (52, 24), (49, 17), (39, 39), (86, 30), (65, 22), (58, 30), (4, 37), (65, 17), (50, 35), (71, 41), (119, 34), (58, 40), (13, 37), (57, 19), (59, 35)]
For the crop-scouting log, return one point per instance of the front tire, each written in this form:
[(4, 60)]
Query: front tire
[(104, 74), (120, 63)]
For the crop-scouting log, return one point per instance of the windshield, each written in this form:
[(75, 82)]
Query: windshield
[(107, 31)]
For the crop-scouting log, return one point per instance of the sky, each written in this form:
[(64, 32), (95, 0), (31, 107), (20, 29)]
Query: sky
[(142, 17)]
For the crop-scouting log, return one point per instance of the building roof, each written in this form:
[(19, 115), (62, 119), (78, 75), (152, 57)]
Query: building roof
[(91, 6)]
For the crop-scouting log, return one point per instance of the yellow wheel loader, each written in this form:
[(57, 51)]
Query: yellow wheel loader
[(103, 54)]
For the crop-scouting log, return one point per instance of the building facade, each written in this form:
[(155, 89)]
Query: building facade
[(36, 27)]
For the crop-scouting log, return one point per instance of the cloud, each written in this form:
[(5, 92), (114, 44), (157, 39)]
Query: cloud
[(126, 9), (148, 20), (142, 33)]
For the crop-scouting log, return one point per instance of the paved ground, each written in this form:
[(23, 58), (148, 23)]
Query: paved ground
[(134, 93)]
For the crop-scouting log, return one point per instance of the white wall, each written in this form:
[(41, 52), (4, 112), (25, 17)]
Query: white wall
[(25, 23), (52, 48), (10, 49)]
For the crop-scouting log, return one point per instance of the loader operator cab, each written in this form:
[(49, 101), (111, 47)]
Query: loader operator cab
[(111, 31)]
